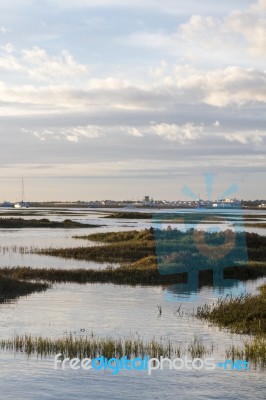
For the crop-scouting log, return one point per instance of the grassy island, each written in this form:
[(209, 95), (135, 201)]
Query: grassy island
[(18, 223)]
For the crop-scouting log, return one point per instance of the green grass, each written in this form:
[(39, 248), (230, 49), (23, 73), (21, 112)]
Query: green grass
[(112, 253), (177, 249), (244, 314), (135, 252), (119, 247), (41, 223)]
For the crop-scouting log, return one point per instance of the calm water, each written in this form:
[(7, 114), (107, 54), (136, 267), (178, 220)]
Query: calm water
[(115, 311), (15, 244), (32, 380)]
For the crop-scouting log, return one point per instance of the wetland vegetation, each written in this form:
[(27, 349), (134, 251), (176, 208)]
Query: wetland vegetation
[(11, 289), (17, 223), (254, 350), (243, 314), (91, 346), (137, 253), (129, 215)]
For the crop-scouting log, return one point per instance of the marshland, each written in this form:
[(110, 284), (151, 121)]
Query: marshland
[(96, 287), (18, 223), (91, 346)]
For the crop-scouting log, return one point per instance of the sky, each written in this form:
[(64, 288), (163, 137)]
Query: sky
[(118, 99)]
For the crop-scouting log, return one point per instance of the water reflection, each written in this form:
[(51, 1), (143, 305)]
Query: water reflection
[(205, 243), (191, 291), (11, 240), (117, 311)]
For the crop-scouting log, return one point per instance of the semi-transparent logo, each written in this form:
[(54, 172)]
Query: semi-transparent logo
[(208, 237)]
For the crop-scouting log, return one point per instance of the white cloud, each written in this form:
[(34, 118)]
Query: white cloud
[(246, 137), (235, 85), (260, 6), (186, 86), (252, 27), (222, 87), (43, 66), (132, 131), (38, 64), (89, 132), (236, 137), (3, 30), (7, 61), (158, 72), (8, 47), (93, 102), (108, 83), (236, 30), (178, 133), (205, 30), (70, 134)]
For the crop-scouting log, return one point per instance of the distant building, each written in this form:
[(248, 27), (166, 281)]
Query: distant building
[(227, 203), (6, 204)]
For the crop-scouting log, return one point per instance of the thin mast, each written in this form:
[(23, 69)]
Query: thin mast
[(22, 189)]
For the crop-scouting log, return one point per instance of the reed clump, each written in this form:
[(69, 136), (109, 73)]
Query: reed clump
[(254, 350), (92, 347), (244, 314)]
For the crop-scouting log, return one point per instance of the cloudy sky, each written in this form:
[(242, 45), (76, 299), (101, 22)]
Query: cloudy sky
[(117, 99)]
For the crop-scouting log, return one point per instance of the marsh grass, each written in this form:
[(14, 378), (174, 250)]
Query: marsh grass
[(244, 314), (126, 275), (140, 274), (18, 249), (254, 351), (129, 215), (11, 289), (119, 252), (191, 217), (91, 346), (114, 237), (17, 223), (255, 225), (136, 250), (253, 217)]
